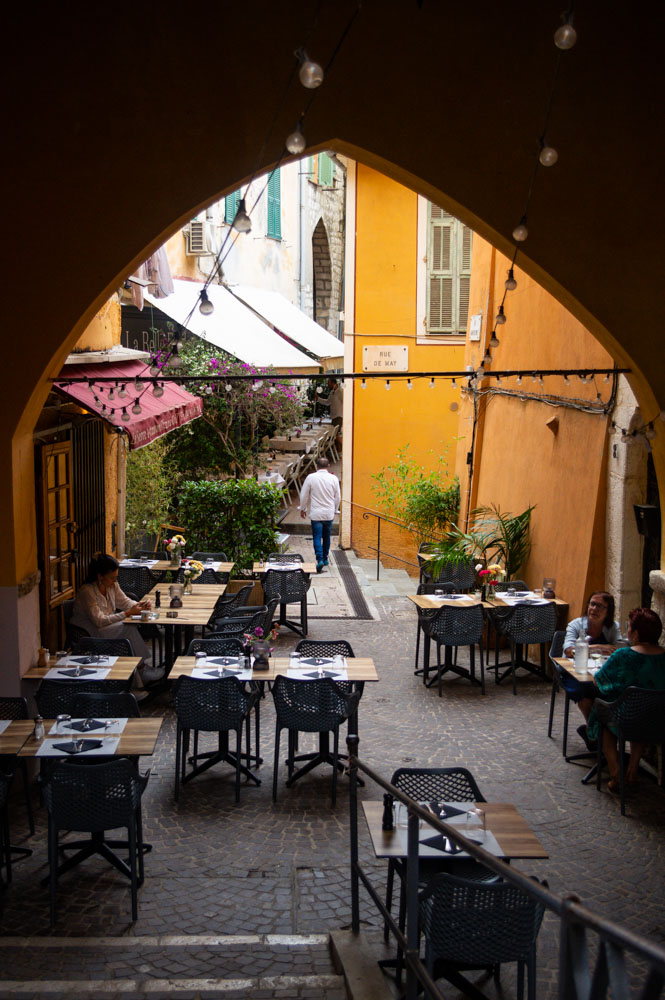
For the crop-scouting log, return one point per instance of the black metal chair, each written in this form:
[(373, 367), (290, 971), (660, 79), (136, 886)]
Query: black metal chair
[(452, 627), (461, 575), (236, 627), (215, 647), (214, 706), (312, 706), (232, 605), (95, 646), (17, 708), (529, 624), (638, 715), (289, 587), (479, 925), (210, 575), (92, 799), (285, 557), (94, 703), (427, 588), (428, 784), (54, 698), (72, 632), (572, 690), (137, 580), (149, 554)]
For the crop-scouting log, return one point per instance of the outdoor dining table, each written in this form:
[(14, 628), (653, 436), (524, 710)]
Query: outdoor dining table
[(263, 567), (13, 734), (138, 738), (164, 565), (510, 832), (120, 670)]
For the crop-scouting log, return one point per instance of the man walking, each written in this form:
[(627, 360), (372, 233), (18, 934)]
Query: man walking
[(320, 498)]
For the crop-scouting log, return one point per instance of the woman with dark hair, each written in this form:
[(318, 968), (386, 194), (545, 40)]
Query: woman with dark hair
[(598, 623), (101, 608), (642, 665)]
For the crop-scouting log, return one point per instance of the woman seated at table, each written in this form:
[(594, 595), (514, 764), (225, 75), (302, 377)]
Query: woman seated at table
[(598, 623), (642, 665), (101, 608)]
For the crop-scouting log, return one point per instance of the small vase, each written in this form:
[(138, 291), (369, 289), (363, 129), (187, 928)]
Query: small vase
[(175, 559), (188, 586), (261, 651)]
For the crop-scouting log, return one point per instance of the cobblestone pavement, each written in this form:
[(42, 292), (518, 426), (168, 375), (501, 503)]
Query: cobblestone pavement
[(260, 868)]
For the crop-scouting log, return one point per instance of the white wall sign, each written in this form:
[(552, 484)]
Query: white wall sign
[(388, 358), (475, 326)]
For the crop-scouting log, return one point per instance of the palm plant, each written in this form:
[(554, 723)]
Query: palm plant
[(501, 537)]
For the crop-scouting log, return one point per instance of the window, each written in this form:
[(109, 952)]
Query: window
[(274, 206), (231, 203), (326, 170), (448, 272)]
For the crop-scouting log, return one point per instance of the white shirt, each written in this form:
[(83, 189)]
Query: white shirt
[(320, 495)]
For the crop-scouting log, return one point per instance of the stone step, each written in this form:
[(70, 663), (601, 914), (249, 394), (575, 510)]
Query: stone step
[(175, 966)]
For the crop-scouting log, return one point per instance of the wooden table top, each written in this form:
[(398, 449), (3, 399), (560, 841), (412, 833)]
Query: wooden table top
[(358, 668), (122, 670), (513, 833), (139, 737), (203, 595), (468, 601), (185, 616), (15, 735), (569, 667), (306, 567), (164, 564)]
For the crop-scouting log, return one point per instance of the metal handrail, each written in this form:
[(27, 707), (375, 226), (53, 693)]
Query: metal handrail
[(577, 979), (382, 517)]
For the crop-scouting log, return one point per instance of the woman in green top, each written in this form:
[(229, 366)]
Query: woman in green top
[(642, 665)]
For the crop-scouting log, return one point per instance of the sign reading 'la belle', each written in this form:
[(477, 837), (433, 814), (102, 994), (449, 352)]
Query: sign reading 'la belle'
[(389, 359)]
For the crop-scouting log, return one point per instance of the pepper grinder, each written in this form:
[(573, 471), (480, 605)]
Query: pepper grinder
[(158, 598), (387, 821)]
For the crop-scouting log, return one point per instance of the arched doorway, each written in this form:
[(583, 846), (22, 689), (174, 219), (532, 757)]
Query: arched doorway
[(322, 271)]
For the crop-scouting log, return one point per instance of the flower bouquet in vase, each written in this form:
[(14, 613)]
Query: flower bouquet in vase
[(192, 571), (258, 642), (175, 547), (488, 577)]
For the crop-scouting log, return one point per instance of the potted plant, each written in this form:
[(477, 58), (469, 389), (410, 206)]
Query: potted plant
[(504, 538)]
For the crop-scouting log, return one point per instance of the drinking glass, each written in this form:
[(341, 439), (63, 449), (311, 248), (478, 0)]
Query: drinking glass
[(200, 658), (438, 591), (61, 656), (475, 824), (295, 659), (62, 723)]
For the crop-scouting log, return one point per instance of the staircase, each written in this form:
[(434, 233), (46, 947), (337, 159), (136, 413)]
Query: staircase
[(196, 967), (391, 582)]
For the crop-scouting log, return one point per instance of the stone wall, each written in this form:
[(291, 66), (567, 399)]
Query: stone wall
[(325, 210)]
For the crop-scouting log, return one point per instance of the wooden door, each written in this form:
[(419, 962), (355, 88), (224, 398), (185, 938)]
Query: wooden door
[(58, 530)]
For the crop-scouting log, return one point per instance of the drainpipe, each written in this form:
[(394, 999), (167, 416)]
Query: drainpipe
[(301, 239), (121, 466)]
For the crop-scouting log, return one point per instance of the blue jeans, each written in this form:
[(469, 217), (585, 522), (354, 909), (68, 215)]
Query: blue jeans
[(321, 539)]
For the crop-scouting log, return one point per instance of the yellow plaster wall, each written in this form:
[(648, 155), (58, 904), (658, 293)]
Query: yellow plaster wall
[(103, 331), (518, 460), (385, 312)]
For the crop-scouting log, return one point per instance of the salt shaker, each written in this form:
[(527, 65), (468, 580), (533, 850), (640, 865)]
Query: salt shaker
[(387, 821), (39, 728)]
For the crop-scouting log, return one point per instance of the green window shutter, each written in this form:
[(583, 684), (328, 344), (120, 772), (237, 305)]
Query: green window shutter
[(231, 203), (274, 206), (326, 170), (448, 272), (310, 167)]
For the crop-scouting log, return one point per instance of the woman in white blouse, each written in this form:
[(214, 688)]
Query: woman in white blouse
[(101, 608)]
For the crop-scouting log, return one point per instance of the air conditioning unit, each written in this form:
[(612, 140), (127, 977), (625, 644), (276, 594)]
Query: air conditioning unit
[(199, 239)]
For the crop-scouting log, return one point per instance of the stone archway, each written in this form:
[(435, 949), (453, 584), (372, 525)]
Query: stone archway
[(322, 276)]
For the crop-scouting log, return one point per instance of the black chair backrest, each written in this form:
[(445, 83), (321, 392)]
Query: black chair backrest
[(149, 554), (225, 603), (104, 647), (531, 623), (504, 584), (215, 647), (287, 557), (90, 704), (639, 713), (261, 619), (446, 784), (314, 706), (455, 626), (215, 556), (325, 647), (93, 797), (72, 632), (469, 923), (461, 574), (212, 706), (138, 580), (431, 588), (55, 697), (13, 708), (286, 585), (556, 647)]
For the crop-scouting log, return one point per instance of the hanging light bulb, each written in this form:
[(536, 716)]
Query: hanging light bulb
[(122, 394), (387, 385), (409, 384), (498, 380), (209, 390), (650, 433), (228, 387), (453, 384), (548, 156), (295, 142), (500, 317), (273, 389), (137, 408), (363, 384), (103, 410), (125, 416), (534, 377), (257, 385), (175, 361), (111, 393), (154, 370), (541, 380), (138, 384), (520, 232), (112, 416), (91, 388), (565, 36), (511, 284), (487, 360), (566, 380), (206, 308), (158, 390), (494, 340), (607, 378), (242, 222), (310, 73), (431, 383), (611, 428), (519, 379)]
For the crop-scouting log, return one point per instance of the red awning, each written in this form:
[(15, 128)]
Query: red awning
[(159, 414)]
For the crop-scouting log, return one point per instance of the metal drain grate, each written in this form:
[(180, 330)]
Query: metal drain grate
[(354, 593)]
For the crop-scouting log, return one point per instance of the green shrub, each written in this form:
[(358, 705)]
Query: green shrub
[(236, 517)]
